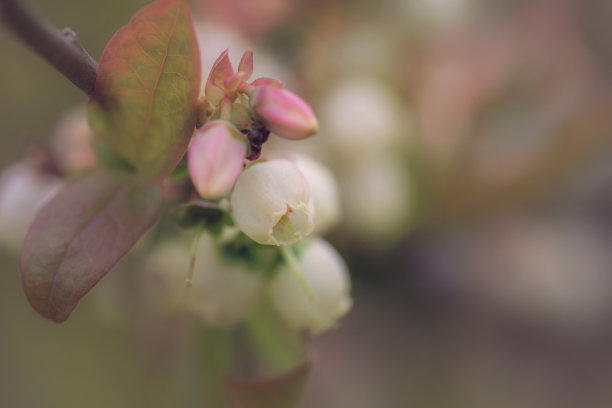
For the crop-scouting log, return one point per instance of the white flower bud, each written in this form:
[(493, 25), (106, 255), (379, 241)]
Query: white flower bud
[(271, 203), (323, 191), (22, 192), (327, 277), (378, 199), (361, 117), (222, 293), (71, 142)]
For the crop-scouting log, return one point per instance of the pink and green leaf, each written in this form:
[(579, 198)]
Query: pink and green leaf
[(79, 235), (147, 85), (221, 69), (246, 64)]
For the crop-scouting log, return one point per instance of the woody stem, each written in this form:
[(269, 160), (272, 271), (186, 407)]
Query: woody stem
[(60, 48)]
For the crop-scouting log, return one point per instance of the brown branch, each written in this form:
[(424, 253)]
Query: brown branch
[(60, 48)]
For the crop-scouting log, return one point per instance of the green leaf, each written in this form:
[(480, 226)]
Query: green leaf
[(201, 212), (147, 85), (181, 171), (79, 235)]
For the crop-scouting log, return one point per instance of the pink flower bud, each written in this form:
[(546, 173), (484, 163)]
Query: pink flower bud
[(283, 112), (215, 158), (265, 81)]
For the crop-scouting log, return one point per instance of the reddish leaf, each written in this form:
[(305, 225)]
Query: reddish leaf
[(147, 85), (78, 236), (283, 391)]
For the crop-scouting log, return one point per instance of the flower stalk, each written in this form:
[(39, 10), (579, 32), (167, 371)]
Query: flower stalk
[(291, 262)]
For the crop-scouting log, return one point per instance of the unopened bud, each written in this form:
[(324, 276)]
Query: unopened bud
[(215, 158), (283, 112), (71, 143), (327, 277), (23, 191), (271, 203)]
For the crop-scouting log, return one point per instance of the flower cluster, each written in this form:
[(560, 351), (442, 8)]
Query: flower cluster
[(272, 201), (232, 106)]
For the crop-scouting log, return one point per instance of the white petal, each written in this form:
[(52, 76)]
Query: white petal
[(222, 292), (263, 194), (327, 276)]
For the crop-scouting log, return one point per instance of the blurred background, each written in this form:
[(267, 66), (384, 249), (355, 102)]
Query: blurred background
[(471, 141)]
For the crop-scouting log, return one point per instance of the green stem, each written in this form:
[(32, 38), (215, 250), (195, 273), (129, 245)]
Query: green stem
[(194, 252), (266, 341), (214, 362), (289, 258)]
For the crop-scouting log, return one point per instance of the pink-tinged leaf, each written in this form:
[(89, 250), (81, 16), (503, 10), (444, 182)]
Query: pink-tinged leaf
[(283, 391), (79, 235), (246, 64), (215, 85), (147, 85), (221, 69), (233, 81)]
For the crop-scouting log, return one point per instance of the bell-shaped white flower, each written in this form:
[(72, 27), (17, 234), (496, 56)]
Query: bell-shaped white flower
[(361, 117), (221, 292), (327, 277), (378, 199), (323, 191), (215, 159), (271, 203)]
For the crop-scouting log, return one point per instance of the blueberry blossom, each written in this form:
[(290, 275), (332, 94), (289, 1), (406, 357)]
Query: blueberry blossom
[(283, 112), (271, 203), (323, 191), (257, 107), (215, 159), (221, 293), (227, 91), (327, 277)]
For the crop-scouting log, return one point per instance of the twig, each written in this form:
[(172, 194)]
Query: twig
[(61, 48)]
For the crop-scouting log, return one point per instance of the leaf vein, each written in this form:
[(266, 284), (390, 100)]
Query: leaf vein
[(126, 90), (126, 62), (171, 113), (145, 52), (154, 24), (152, 94), (81, 228), (179, 74)]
